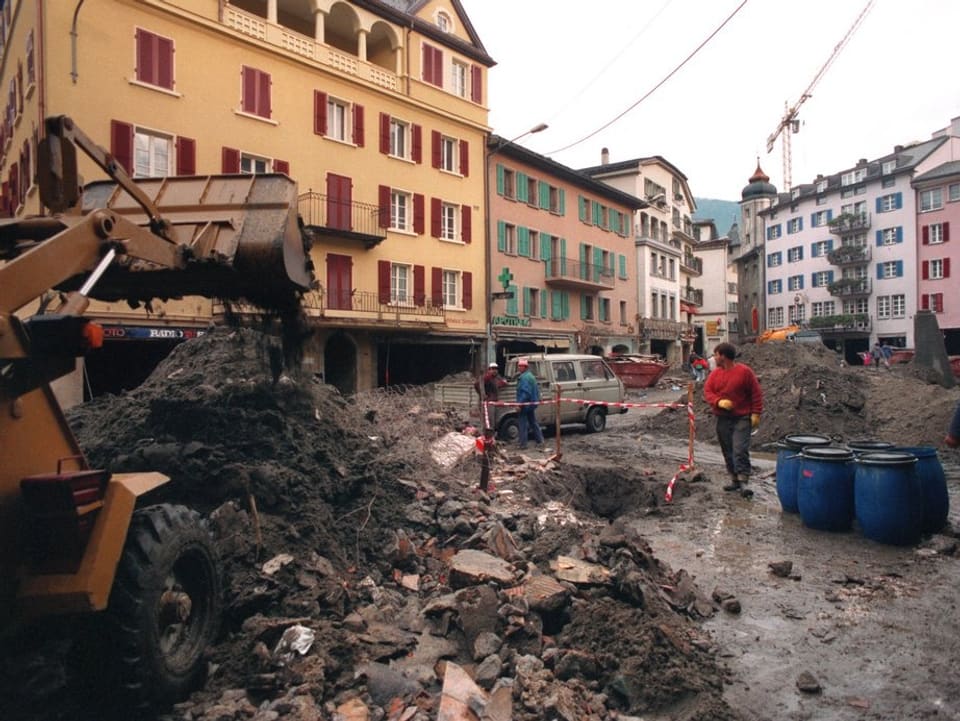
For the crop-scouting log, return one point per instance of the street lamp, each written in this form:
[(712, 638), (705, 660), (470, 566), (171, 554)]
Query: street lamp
[(491, 352)]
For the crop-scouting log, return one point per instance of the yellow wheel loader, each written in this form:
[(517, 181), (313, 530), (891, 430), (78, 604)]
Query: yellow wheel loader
[(78, 540)]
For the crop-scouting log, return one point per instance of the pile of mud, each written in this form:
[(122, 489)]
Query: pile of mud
[(334, 524), (807, 390)]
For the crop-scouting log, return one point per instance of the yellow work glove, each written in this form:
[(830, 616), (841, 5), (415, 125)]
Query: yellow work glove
[(725, 404), (754, 420)]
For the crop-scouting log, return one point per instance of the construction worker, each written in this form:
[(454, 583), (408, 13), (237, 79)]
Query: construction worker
[(952, 438), (528, 391)]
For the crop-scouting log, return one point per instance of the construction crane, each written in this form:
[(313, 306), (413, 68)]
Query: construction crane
[(790, 124)]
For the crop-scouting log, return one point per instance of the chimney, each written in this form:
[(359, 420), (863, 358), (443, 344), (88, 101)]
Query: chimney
[(862, 161), (604, 156), (898, 148)]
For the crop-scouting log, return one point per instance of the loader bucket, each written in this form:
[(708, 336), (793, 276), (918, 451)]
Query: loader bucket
[(241, 232)]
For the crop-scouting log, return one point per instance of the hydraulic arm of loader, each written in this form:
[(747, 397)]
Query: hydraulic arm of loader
[(232, 237)]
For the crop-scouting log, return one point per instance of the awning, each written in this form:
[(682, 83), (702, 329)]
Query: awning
[(687, 308)]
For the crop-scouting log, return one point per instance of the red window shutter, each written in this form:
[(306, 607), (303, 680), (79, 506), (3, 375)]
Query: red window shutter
[(476, 83), (925, 234), (435, 150), (467, 290), (383, 281), (121, 144), (165, 63), (946, 232), (248, 100), (466, 224), (436, 287), (925, 269), (427, 73), (946, 267), (358, 139), (230, 160), (146, 64), (435, 208), (263, 95), (419, 285), (384, 133), (14, 187), (319, 113), (432, 65), (417, 133), (418, 220), (925, 302), (5, 200), (384, 203), (281, 166), (464, 158), (186, 156)]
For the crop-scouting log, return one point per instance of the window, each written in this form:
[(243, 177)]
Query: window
[(400, 283), (448, 221), (931, 200), (886, 203), (255, 95), (794, 225), (933, 234), (586, 307), (820, 309), (795, 254), (253, 164), (509, 184), (795, 282), (534, 244), (401, 204), (555, 200), (890, 269), (853, 177), (399, 143), (458, 79), (855, 240), (891, 306), (953, 192), (449, 154), (532, 191), (510, 239), (933, 302), (774, 232), (774, 287), (821, 186), (883, 306), (821, 279), (774, 317), (154, 60), (796, 313), (337, 119), (31, 62), (451, 289), (888, 182), (444, 22), (820, 218), (935, 269), (623, 312), (152, 155), (899, 303), (888, 167), (890, 236), (774, 259), (821, 248)]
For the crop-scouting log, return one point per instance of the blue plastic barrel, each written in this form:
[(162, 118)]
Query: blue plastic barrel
[(868, 446), (825, 488), (933, 484), (788, 466), (888, 499)]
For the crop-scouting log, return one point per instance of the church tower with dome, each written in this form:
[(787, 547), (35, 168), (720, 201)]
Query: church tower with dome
[(757, 196)]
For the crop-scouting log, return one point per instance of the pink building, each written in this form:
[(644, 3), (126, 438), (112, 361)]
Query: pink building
[(562, 273), (938, 254)]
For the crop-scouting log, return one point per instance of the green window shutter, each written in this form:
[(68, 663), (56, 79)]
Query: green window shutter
[(563, 201), (556, 305), (622, 259), (543, 303), (584, 268), (582, 208), (523, 242), (583, 307), (563, 256), (512, 302), (544, 195), (501, 236), (564, 305), (500, 183), (597, 263), (526, 301), (522, 188), (596, 213), (545, 247)]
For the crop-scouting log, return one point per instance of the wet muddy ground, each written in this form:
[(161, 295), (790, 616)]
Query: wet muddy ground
[(875, 625)]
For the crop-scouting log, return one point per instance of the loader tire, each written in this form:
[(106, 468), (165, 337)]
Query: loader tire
[(164, 607)]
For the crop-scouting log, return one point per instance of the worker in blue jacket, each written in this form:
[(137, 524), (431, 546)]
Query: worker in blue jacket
[(528, 391), (952, 438)]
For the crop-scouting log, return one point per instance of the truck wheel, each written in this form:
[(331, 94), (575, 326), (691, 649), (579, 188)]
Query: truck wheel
[(509, 431), (596, 419), (164, 606)]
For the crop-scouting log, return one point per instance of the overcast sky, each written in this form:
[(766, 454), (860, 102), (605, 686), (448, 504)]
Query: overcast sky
[(578, 65)]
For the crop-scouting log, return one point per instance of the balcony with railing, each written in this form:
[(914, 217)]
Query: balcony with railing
[(691, 295), (566, 273), (849, 287), (664, 329), (841, 324), (360, 307), (849, 255), (297, 42), (692, 265), (325, 215), (849, 223)]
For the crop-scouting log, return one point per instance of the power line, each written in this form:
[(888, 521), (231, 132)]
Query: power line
[(658, 85)]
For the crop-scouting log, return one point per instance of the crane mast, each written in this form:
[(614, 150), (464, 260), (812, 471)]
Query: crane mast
[(789, 123)]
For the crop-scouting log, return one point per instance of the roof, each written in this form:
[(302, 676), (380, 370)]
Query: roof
[(945, 170), (502, 146)]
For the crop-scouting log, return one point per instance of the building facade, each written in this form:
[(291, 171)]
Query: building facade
[(755, 199), (562, 268), (376, 109), (717, 319)]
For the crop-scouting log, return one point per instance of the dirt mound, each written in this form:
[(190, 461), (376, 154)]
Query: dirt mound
[(806, 390)]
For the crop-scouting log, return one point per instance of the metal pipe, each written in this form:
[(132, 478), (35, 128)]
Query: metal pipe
[(73, 43)]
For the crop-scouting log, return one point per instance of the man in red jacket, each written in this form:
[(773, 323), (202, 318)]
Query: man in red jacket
[(734, 394)]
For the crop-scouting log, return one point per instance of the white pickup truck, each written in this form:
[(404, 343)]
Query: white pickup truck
[(586, 385)]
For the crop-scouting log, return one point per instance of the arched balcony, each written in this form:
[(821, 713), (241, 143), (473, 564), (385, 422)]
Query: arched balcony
[(333, 34)]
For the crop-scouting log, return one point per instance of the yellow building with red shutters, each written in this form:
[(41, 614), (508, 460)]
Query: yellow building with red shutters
[(376, 109)]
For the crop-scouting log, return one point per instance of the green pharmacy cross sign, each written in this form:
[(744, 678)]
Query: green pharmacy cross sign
[(505, 277)]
